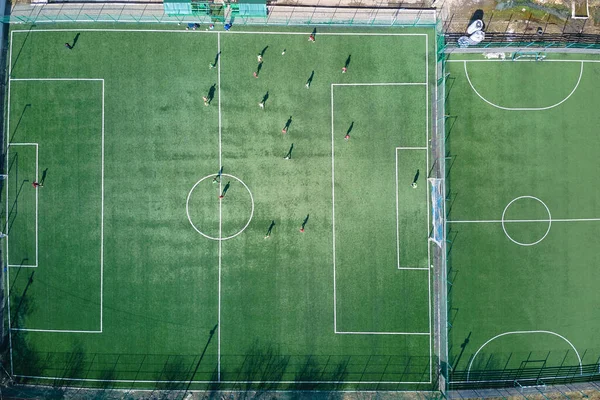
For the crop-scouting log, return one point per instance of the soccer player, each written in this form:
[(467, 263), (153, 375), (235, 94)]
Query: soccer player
[(68, 46), (262, 105), (347, 137), (36, 184), (260, 58), (311, 38), (344, 70), (206, 102)]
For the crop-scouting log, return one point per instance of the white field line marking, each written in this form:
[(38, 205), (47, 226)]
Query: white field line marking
[(545, 61), (487, 221), (333, 213), (220, 211), (51, 378), (398, 212), (102, 223), (101, 211), (218, 32), (524, 108), (57, 79), (385, 333), (52, 330), (381, 84), (428, 206), (7, 130), (21, 266), (520, 333)]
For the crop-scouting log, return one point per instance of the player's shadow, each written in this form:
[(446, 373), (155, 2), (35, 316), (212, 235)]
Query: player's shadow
[(347, 63), (75, 39), (262, 52), (211, 92), (310, 78), (216, 59), (350, 128), (265, 98), (13, 134), (314, 33), (44, 174), (259, 68)]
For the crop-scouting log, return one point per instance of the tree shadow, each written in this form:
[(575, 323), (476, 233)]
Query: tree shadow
[(263, 369), (16, 59), (13, 134)]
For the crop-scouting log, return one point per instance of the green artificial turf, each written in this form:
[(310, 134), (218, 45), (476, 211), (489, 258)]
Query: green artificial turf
[(172, 299), (535, 272)]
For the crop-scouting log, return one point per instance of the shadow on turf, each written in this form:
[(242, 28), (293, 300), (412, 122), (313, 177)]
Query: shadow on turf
[(14, 208), (16, 129), (211, 93), (21, 49)]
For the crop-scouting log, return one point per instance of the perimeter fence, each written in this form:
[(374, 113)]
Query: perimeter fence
[(276, 15)]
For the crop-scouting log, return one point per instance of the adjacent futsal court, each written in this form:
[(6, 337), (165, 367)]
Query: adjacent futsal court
[(523, 218), (163, 247)]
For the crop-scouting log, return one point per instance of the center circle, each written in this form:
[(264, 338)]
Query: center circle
[(547, 230), (187, 207)]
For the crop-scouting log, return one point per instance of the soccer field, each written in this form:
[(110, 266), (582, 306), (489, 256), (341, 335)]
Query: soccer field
[(523, 219), (165, 249)]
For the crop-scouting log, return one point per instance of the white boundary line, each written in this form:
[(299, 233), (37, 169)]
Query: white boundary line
[(398, 212), (524, 108), (427, 116), (36, 173), (524, 332), (220, 211), (201, 382), (505, 60), (7, 130), (489, 221), (37, 158), (219, 32), (382, 84), (386, 333), (102, 228)]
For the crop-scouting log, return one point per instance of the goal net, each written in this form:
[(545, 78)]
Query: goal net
[(437, 210), (529, 55)]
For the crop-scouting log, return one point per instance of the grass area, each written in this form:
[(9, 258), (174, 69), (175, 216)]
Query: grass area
[(523, 259), (128, 196)]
